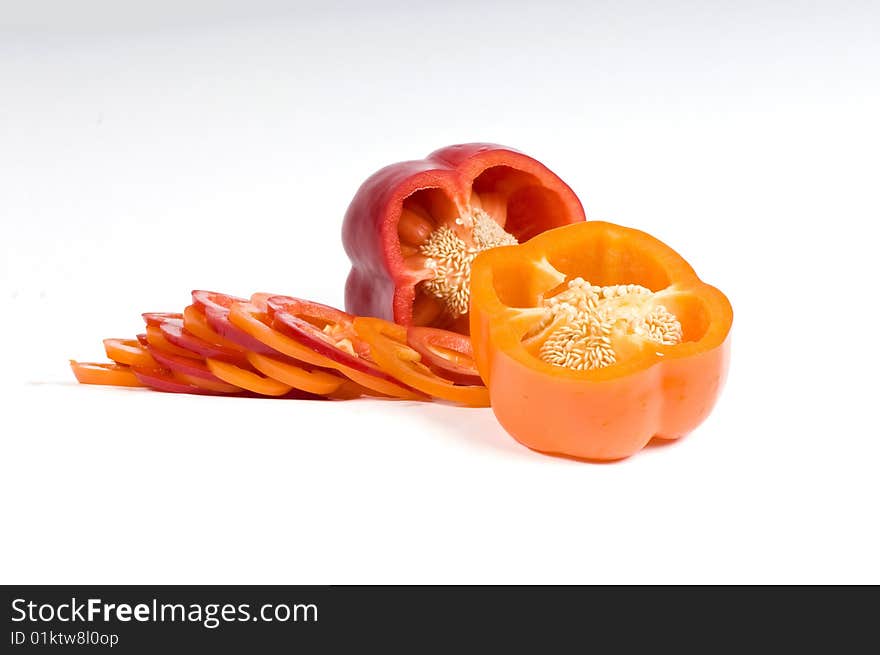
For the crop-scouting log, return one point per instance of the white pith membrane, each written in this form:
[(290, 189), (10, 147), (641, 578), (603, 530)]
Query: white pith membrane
[(336, 335), (450, 253), (585, 326)]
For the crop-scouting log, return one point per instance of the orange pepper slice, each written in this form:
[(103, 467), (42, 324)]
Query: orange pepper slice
[(389, 349), (115, 375), (318, 382), (129, 352), (232, 374), (249, 322)]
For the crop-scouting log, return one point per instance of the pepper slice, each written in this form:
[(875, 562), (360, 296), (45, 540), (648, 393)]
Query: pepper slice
[(254, 323), (177, 335), (594, 338), (349, 390), (157, 318), (160, 379), (326, 329), (195, 323), (129, 352), (212, 385), (448, 354), (216, 308), (156, 340), (113, 375), (185, 368), (318, 382), (413, 228), (239, 377), (387, 342)]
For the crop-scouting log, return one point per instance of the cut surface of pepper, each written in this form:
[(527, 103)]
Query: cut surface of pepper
[(595, 338), (586, 326), (413, 229)]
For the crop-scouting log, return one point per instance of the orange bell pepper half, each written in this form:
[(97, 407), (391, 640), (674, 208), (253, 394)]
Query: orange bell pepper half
[(595, 338)]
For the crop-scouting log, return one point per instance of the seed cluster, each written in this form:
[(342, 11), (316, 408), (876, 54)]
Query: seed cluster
[(582, 318), (450, 257), (582, 344), (659, 325)]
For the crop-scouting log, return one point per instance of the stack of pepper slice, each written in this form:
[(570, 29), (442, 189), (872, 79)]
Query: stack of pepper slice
[(274, 345)]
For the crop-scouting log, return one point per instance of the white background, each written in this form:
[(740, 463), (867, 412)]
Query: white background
[(150, 148)]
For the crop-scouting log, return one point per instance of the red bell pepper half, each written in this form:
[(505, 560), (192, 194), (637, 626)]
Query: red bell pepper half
[(414, 228)]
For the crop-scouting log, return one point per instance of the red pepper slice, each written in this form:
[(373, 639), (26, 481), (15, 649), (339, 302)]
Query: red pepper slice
[(317, 325), (185, 366), (195, 323), (156, 340), (156, 319), (214, 300), (216, 308), (178, 336), (449, 354), (162, 380), (215, 386), (104, 374), (331, 334), (413, 228)]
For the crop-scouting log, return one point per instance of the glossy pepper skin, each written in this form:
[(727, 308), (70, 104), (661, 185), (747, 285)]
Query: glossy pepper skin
[(530, 198), (661, 391)]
